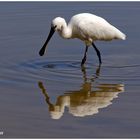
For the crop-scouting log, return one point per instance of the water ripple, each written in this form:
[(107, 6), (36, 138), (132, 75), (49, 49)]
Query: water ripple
[(69, 71)]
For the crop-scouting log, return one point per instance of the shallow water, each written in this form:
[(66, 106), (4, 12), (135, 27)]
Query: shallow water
[(51, 96)]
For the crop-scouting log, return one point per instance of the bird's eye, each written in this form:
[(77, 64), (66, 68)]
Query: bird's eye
[(55, 26)]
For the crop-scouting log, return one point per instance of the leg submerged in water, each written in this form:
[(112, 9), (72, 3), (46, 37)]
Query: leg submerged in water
[(85, 56)]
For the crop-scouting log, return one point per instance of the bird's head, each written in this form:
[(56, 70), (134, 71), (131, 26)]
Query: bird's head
[(56, 25)]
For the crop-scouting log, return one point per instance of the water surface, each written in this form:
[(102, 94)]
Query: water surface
[(51, 96)]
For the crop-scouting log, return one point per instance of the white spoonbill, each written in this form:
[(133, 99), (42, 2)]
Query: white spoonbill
[(86, 27)]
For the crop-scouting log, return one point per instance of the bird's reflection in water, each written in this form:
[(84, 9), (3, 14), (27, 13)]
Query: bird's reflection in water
[(85, 101)]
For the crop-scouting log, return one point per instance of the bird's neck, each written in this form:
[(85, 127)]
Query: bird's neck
[(66, 31)]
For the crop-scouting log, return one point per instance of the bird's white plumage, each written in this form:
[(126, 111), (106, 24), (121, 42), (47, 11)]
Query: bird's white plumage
[(87, 27)]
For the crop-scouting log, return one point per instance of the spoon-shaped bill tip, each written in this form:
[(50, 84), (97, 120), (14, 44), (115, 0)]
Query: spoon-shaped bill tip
[(42, 51)]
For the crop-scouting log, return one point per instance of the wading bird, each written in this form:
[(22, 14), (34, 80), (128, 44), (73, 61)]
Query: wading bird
[(86, 27)]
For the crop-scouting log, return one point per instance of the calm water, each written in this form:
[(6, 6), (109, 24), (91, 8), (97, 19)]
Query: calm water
[(51, 96)]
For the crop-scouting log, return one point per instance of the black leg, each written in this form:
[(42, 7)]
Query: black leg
[(85, 56), (98, 52)]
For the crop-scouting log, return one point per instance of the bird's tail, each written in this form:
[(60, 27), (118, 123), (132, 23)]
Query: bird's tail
[(123, 36), (120, 35)]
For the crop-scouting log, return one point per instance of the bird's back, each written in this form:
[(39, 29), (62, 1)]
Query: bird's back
[(89, 26)]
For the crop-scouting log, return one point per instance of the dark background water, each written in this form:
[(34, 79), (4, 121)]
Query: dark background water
[(24, 75)]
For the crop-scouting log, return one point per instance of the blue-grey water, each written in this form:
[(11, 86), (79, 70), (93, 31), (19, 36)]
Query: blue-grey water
[(51, 96)]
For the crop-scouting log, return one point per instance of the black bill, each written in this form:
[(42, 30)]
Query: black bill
[(42, 50)]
